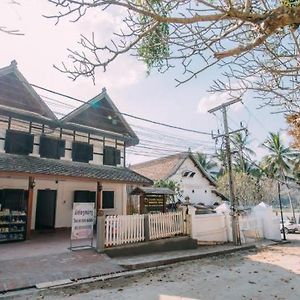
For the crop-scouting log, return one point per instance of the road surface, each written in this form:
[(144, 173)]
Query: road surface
[(273, 273)]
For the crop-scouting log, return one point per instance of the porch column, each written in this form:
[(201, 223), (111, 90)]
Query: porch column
[(31, 184), (142, 204), (164, 203), (99, 199)]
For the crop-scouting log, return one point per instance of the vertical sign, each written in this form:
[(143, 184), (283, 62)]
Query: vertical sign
[(82, 221)]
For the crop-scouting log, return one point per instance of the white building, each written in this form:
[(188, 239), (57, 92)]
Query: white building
[(182, 168), (46, 163)]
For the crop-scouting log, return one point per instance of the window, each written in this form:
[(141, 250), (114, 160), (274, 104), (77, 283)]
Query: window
[(82, 152), (18, 142), (108, 199), (111, 156), (84, 196), (51, 147), (188, 174)]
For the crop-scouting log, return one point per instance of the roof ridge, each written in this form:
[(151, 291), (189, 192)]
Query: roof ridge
[(157, 160), (13, 69)]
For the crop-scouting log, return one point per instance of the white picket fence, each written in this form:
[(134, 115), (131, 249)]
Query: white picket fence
[(164, 225), (124, 229)]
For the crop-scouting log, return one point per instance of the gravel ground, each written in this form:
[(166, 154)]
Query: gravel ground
[(273, 273)]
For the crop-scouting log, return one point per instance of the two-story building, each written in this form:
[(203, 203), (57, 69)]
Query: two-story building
[(47, 163)]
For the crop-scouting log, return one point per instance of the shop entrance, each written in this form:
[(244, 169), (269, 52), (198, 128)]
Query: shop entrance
[(45, 210)]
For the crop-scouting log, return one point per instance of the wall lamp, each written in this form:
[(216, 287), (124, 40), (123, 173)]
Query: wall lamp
[(31, 182)]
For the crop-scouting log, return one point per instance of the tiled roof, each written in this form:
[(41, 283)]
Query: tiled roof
[(161, 168), (101, 113), (16, 92), (153, 191), (165, 167), (56, 167)]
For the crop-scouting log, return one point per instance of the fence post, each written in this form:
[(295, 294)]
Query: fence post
[(100, 235), (146, 228)]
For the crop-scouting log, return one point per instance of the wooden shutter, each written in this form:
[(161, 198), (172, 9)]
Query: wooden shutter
[(82, 152), (117, 157), (61, 148), (109, 156), (108, 199), (18, 142)]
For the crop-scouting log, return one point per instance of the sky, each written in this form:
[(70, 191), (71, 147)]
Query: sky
[(153, 96)]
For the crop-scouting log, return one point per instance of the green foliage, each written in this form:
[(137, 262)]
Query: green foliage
[(154, 46), (278, 163), (204, 161), (249, 190), (171, 184)]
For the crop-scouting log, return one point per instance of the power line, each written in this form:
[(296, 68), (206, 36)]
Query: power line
[(124, 114)]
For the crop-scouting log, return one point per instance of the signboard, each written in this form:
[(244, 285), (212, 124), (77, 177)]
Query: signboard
[(82, 221)]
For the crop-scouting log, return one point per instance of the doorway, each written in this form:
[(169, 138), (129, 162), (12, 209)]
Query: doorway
[(45, 210)]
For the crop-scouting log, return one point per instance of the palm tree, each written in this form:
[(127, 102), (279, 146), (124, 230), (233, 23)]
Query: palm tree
[(222, 162), (278, 164), (240, 142), (206, 163)]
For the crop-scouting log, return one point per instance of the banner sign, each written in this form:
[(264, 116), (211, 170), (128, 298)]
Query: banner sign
[(82, 221)]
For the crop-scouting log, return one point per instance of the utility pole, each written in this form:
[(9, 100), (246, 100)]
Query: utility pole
[(234, 214)]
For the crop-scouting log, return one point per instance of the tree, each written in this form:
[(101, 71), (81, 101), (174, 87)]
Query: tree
[(172, 185), (255, 42), (294, 126), (6, 30), (278, 163), (249, 190), (206, 163), (240, 142)]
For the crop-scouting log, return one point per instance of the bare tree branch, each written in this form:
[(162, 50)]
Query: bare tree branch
[(255, 42)]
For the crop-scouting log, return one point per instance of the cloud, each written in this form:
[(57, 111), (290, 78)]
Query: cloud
[(286, 138), (215, 99)]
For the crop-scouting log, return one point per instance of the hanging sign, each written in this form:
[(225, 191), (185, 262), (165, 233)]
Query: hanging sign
[(82, 221)]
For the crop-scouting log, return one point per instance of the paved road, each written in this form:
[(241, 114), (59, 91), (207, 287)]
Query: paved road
[(273, 273)]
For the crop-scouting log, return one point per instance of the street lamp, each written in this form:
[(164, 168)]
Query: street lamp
[(280, 205)]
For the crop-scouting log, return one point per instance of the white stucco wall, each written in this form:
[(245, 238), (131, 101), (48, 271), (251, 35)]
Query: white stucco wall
[(197, 188), (65, 195)]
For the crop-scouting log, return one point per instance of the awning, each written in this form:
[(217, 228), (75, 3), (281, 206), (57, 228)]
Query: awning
[(21, 164), (152, 191)]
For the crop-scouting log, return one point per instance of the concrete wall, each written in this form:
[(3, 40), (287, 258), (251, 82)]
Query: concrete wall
[(65, 195), (208, 228), (197, 188)]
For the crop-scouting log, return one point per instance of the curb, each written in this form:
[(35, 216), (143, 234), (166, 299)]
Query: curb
[(164, 262)]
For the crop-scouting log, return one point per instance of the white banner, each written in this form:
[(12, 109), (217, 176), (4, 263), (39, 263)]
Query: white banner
[(82, 221)]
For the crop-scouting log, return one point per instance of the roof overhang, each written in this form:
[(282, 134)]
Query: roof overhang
[(24, 166), (152, 191)]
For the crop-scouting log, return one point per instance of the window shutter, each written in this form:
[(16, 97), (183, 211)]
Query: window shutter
[(117, 157), (82, 152), (51, 147), (108, 199), (90, 152), (61, 148), (18, 142), (111, 156)]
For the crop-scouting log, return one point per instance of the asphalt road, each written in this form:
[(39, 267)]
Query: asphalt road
[(272, 273)]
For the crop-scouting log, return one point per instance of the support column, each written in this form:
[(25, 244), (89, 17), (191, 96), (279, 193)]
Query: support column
[(31, 185), (99, 198), (142, 204), (146, 228), (164, 203), (100, 240)]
